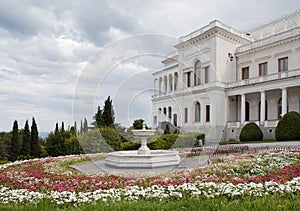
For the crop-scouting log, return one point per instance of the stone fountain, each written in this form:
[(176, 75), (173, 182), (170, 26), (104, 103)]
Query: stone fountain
[(143, 157)]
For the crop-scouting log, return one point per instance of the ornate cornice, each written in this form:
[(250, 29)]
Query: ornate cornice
[(269, 45), (213, 32)]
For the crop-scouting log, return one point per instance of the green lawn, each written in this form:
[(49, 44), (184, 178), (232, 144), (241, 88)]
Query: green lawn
[(273, 202)]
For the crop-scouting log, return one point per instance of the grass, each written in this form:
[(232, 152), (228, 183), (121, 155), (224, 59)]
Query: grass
[(273, 202), (68, 163), (247, 142)]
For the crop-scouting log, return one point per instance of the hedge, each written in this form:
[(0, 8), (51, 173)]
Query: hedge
[(288, 127)]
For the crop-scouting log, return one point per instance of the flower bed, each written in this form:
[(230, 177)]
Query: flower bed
[(233, 176)]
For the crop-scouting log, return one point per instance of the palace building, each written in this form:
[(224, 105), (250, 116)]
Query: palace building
[(218, 79)]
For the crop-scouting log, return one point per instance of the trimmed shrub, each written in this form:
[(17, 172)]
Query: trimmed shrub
[(93, 142), (112, 137), (175, 141), (251, 132), (288, 127), (130, 145), (162, 141)]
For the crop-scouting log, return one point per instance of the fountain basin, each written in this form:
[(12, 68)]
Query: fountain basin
[(131, 159)]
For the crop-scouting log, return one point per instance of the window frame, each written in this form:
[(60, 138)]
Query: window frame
[(285, 64), (186, 115), (206, 74), (244, 71), (263, 69)]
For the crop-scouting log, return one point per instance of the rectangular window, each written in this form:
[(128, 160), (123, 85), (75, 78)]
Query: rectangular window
[(206, 71), (263, 69), (283, 65), (188, 79), (155, 120), (207, 113), (245, 73), (186, 113)]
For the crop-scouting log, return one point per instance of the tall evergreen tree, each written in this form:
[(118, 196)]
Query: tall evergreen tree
[(26, 147), (15, 142), (81, 127), (75, 127), (85, 126), (63, 136), (63, 126), (35, 145), (108, 113), (99, 120)]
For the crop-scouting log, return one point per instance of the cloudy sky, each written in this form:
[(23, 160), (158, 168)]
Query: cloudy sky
[(47, 47)]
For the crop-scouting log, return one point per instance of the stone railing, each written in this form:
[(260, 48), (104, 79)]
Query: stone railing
[(260, 79), (268, 40), (271, 123)]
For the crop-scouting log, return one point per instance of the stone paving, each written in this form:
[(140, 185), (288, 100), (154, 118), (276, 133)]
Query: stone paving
[(99, 167)]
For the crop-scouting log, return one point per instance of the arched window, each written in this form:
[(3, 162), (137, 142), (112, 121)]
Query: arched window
[(159, 85), (175, 81), (170, 82), (170, 112), (207, 113), (280, 107), (165, 83), (197, 112), (266, 110), (165, 111), (155, 86), (197, 73)]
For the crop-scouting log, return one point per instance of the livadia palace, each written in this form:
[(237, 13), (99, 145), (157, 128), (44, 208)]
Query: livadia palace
[(218, 79)]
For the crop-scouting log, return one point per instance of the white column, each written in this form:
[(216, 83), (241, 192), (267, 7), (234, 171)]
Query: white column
[(262, 107), (284, 101), (154, 86), (243, 103)]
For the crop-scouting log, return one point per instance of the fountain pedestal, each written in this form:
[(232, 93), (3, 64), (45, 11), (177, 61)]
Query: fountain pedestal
[(144, 150), (143, 157)]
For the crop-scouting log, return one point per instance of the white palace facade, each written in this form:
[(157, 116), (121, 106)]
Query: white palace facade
[(218, 79)]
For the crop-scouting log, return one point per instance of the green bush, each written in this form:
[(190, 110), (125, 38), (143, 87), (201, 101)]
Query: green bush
[(168, 141), (112, 137), (130, 145), (93, 142), (251, 132), (288, 127)]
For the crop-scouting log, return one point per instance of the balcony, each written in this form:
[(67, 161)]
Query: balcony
[(260, 79)]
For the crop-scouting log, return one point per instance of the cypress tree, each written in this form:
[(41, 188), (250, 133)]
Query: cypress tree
[(15, 143), (99, 120), (108, 113), (62, 144), (26, 147), (35, 146), (75, 126), (85, 126)]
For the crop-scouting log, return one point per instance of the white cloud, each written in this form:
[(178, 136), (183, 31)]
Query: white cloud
[(46, 46)]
